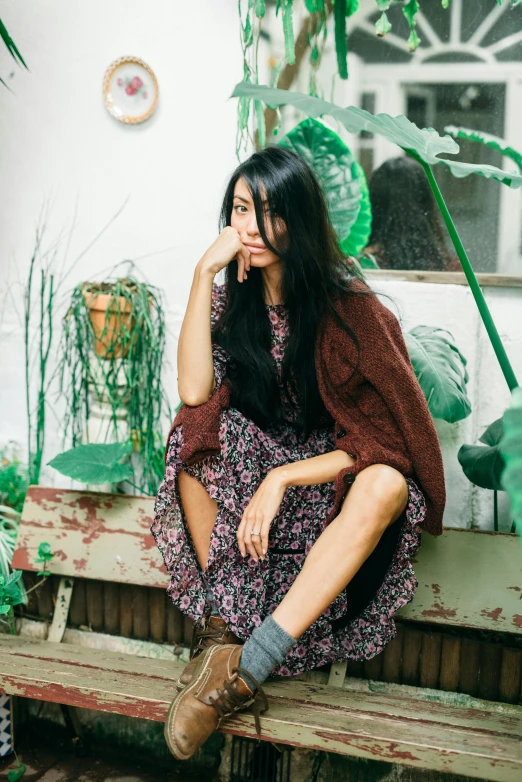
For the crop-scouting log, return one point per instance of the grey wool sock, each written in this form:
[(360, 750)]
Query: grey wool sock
[(266, 648)]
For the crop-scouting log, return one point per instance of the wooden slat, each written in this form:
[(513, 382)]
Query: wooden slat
[(126, 610), (61, 610), (469, 666), (510, 676), (411, 652), (430, 660), (107, 537), (94, 600), (111, 608), (78, 609), (44, 596), (92, 534), (157, 615), (140, 613), (449, 594), (450, 663), (174, 622), (490, 661), (482, 742), (392, 658)]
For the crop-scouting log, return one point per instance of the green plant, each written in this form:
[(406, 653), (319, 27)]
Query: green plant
[(341, 178), (11, 48), (494, 142), (511, 450), (425, 145), (124, 378), (441, 371), (96, 463), (13, 487)]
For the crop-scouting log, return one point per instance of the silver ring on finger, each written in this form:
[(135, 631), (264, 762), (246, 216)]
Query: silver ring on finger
[(255, 533)]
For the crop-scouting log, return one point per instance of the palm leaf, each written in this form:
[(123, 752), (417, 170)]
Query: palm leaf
[(95, 463), (441, 371), (511, 449)]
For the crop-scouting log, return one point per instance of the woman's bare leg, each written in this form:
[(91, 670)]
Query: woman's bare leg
[(200, 512), (375, 500)]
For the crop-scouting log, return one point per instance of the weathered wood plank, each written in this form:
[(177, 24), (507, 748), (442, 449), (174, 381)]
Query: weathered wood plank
[(92, 534), (482, 742), (411, 651), (490, 662), (451, 595), (430, 660), (94, 600), (78, 608), (450, 663), (157, 614), (140, 613), (510, 676), (469, 666), (107, 537), (392, 657), (61, 611), (111, 607)]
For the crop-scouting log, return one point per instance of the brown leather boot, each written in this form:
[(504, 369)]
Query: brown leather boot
[(208, 631), (217, 690)]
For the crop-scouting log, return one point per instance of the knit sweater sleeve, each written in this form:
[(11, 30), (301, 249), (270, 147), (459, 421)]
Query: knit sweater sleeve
[(398, 427)]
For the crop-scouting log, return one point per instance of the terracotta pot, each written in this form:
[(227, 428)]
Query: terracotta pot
[(97, 304)]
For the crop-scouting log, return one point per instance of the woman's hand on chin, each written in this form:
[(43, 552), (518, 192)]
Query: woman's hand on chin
[(259, 515)]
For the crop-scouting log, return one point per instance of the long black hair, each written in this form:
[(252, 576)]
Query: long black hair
[(314, 274), (406, 227)]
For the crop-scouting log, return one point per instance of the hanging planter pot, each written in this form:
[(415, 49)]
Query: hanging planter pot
[(114, 318)]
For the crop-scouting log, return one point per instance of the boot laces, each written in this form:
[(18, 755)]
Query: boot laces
[(204, 635), (230, 700)]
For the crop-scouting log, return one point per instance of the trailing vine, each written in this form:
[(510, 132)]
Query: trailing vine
[(125, 379)]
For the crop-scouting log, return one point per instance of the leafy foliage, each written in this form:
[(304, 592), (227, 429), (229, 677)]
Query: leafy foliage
[(424, 144), (511, 450), (494, 142), (10, 592), (126, 377), (341, 178), (95, 463), (483, 464), (11, 48), (441, 371)]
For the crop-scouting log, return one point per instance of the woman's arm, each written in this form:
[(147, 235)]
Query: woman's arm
[(196, 380), (264, 505), (317, 469)]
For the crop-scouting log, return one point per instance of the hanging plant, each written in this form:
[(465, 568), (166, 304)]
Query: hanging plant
[(113, 345)]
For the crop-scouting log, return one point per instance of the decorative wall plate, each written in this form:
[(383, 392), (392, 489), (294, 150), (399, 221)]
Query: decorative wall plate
[(130, 90)]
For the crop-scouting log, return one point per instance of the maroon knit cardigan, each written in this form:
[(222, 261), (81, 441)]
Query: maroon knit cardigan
[(381, 415)]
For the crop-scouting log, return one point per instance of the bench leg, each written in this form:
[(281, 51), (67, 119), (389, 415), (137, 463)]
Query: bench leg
[(337, 674), (61, 610)]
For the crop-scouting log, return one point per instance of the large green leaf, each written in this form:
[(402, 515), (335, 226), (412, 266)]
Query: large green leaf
[(441, 371), (425, 144), (494, 142), (511, 449), (335, 167), (483, 464), (95, 463), (360, 231)]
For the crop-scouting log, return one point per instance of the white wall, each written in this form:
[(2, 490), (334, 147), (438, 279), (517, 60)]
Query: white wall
[(60, 146)]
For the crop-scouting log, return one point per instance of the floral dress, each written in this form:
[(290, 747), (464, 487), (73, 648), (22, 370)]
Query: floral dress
[(359, 622)]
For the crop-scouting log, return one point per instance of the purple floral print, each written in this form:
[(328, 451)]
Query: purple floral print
[(243, 590)]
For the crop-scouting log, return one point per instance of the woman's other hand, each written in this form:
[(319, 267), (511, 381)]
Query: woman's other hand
[(226, 248), (259, 515)]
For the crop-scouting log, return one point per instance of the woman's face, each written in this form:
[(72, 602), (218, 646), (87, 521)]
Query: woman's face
[(244, 220)]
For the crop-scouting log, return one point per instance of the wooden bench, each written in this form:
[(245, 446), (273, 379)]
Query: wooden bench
[(106, 537)]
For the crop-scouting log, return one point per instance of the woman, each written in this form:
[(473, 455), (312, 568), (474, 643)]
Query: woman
[(302, 462), (406, 226)]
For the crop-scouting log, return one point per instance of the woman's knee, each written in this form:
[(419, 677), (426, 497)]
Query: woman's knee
[(380, 494)]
